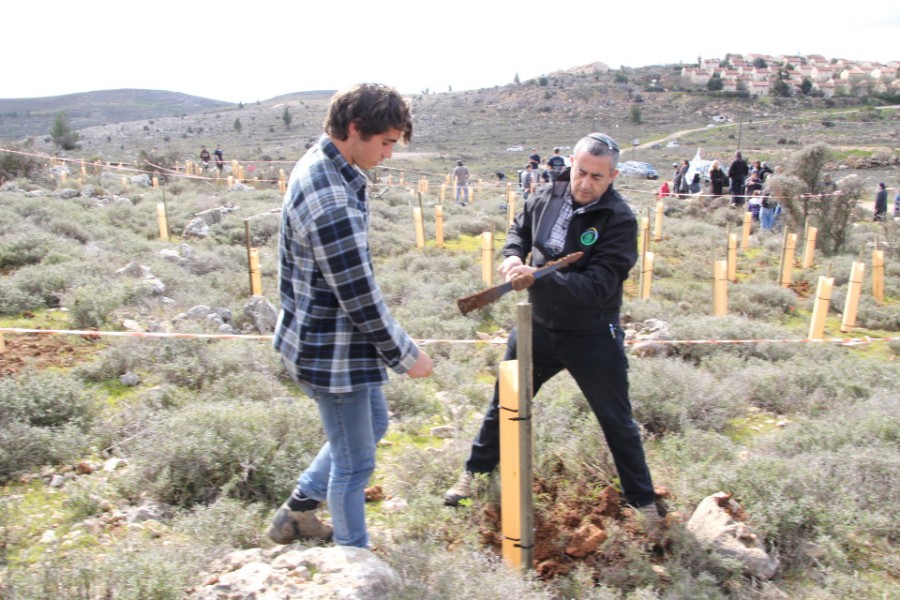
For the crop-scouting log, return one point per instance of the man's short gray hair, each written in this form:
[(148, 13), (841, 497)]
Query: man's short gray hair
[(599, 144)]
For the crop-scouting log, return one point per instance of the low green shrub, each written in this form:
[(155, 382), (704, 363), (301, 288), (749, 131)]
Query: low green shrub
[(26, 246), (241, 450), (136, 567), (226, 523), (672, 396), (44, 399), (761, 301), (821, 379), (731, 328)]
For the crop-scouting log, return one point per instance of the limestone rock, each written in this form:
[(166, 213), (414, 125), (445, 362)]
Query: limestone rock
[(715, 523)]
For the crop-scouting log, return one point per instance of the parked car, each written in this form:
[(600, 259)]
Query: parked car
[(673, 144), (634, 168), (656, 146), (515, 149)]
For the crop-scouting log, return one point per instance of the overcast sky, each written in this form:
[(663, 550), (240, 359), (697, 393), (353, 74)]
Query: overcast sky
[(257, 50)]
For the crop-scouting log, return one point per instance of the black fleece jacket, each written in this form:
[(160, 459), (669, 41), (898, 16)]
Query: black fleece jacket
[(587, 295)]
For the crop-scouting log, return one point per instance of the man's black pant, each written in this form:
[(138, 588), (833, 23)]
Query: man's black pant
[(598, 364)]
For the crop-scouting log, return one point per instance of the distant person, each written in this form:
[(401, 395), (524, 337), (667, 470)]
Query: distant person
[(897, 205), (220, 158), (767, 211), (529, 180), (717, 179), (753, 190), (737, 173), (544, 175), (460, 177), (753, 184), (664, 191), (501, 177), (556, 164), (881, 202), (695, 186), (204, 158), (680, 184), (535, 159), (764, 171)]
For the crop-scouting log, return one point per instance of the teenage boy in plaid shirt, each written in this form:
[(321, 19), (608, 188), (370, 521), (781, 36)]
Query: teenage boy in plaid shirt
[(334, 333)]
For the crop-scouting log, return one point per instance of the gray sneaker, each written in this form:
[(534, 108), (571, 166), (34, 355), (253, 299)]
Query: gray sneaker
[(461, 490), (289, 526)]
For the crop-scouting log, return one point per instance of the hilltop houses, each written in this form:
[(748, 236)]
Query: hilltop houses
[(827, 77)]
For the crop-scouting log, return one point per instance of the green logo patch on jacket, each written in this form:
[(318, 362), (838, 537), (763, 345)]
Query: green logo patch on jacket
[(589, 237)]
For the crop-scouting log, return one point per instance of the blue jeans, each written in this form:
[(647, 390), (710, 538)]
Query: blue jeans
[(353, 423), (767, 218), (465, 191)]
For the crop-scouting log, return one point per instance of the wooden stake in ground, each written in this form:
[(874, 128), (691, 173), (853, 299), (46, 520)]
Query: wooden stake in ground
[(786, 269), (163, 223), (516, 464), (720, 288), (809, 247), (646, 276), (820, 308), (255, 276), (439, 226), (854, 289), (420, 228), (732, 257), (643, 247), (487, 258), (878, 276), (2, 344), (660, 209)]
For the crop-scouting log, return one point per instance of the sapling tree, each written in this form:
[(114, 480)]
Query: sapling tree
[(805, 196), (63, 135)]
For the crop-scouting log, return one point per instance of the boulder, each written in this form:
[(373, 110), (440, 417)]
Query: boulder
[(263, 313), (717, 523)]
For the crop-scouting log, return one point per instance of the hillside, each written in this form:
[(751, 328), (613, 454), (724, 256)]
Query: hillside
[(478, 126), (21, 117)]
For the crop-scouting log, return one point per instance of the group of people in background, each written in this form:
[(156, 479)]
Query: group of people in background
[(536, 172), (205, 158), (745, 182), (529, 178)]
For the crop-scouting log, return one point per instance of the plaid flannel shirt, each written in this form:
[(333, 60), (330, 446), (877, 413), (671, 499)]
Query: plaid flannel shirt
[(334, 331)]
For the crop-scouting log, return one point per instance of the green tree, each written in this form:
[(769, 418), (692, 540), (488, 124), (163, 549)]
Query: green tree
[(714, 84), (779, 86), (63, 135), (806, 86), (516, 79), (286, 117), (237, 125), (636, 116), (805, 196), (760, 63)]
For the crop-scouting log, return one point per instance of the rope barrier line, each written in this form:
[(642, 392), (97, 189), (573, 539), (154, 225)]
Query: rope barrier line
[(426, 341), (169, 172)]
